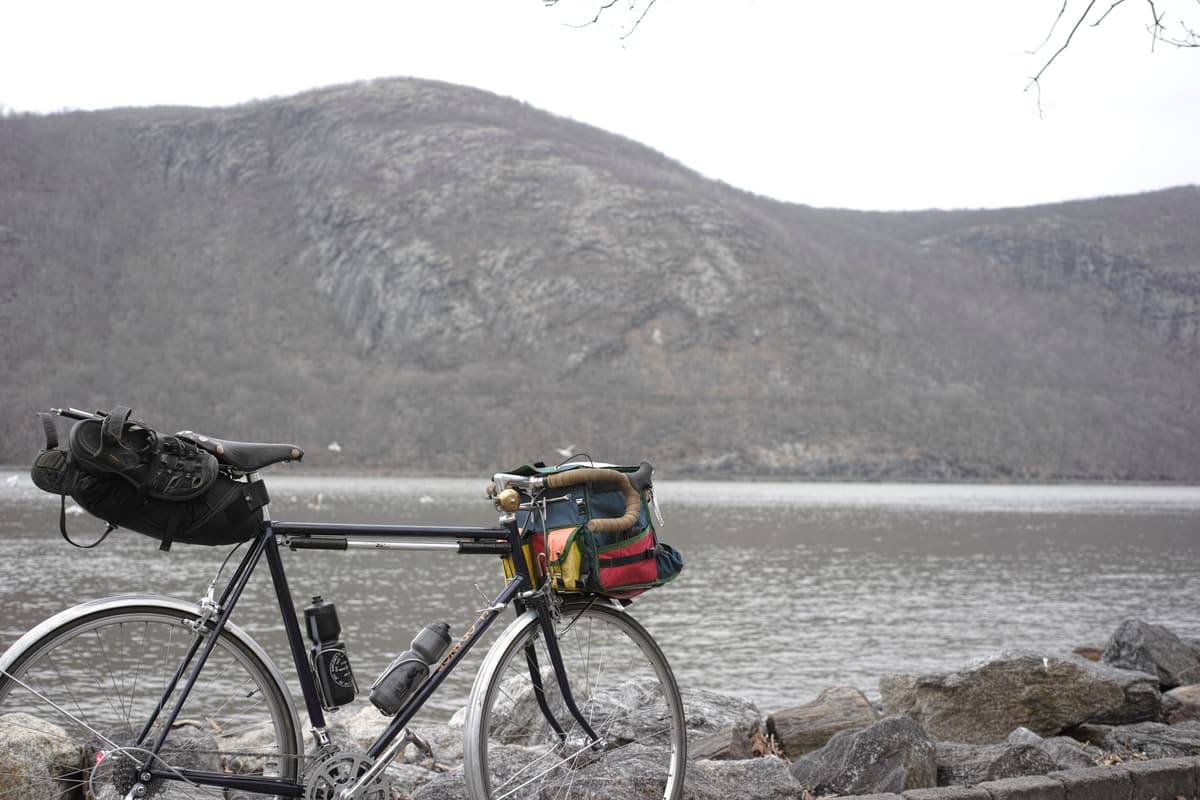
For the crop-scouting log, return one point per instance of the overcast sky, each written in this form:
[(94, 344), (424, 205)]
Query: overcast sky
[(879, 104)]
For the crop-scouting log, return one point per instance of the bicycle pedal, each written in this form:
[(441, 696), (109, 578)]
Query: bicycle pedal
[(419, 742)]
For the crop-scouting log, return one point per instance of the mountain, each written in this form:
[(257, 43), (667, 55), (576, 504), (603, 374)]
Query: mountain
[(440, 279)]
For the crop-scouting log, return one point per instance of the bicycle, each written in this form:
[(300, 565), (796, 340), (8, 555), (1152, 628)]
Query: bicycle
[(143, 696)]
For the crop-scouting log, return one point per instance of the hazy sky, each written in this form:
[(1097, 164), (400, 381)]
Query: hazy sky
[(860, 104)]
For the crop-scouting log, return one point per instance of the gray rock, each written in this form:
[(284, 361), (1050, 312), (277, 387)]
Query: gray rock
[(357, 730), (1020, 760), (959, 763), (1024, 753), (1090, 734), (892, 755), (1156, 740), (1067, 753), (711, 712), (632, 777), (805, 728), (1046, 694), (720, 726), (1143, 700), (729, 745), (407, 778), (1140, 646), (194, 748), (447, 786), (1181, 704), (38, 752), (42, 759), (765, 778)]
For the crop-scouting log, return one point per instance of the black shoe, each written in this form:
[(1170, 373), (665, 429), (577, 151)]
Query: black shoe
[(165, 467), (52, 472)]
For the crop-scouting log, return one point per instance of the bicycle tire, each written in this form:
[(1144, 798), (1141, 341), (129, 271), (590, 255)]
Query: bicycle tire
[(105, 665), (621, 683)]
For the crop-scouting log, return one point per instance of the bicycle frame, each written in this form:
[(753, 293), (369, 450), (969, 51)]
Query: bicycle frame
[(505, 540)]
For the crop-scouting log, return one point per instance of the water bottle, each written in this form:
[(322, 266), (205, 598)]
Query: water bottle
[(330, 663), (410, 669)]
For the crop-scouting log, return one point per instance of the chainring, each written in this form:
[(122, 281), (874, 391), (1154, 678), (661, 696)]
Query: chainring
[(329, 772)]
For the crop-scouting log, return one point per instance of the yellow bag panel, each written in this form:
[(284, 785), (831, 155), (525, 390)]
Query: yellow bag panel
[(565, 559), (510, 569)]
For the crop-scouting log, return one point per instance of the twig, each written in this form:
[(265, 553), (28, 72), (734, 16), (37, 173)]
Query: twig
[(1050, 33), (638, 22), (605, 5), (1067, 43)]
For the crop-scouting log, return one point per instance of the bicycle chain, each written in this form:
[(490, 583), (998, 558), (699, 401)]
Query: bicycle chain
[(321, 774)]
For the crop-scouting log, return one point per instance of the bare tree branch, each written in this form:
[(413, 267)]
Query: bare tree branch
[(642, 16), (1157, 29), (631, 8), (1106, 13), (599, 12), (1050, 33), (1037, 78)]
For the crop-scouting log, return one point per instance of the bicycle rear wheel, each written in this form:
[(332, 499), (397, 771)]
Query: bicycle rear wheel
[(76, 692), (622, 685)]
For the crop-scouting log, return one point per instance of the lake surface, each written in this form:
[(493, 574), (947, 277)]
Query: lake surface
[(789, 587)]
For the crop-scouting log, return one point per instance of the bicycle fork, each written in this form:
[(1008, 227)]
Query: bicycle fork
[(560, 673)]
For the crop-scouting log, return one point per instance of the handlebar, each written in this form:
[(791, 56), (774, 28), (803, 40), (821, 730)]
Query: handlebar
[(505, 491), (633, 501)]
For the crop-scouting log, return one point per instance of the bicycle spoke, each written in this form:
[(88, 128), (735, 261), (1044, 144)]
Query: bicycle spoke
[(90, 683), (620, 683)]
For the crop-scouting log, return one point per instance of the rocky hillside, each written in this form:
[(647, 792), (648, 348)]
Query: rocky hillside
[(439, 278)]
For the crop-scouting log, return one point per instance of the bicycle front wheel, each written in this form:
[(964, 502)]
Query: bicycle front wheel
[(76, 693), (521, 741)]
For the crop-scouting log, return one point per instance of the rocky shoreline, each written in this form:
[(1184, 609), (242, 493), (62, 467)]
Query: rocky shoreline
[(1122, 723)]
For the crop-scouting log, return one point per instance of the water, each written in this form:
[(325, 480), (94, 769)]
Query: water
[(789, 588)]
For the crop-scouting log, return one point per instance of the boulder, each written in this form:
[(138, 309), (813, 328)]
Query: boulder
[(1019, 760), (355, 729), (1090, 734), (805, 728), (959, 763), (408, 778), (721, 726), (765, 778), (446, 786), (711, 712), (729, 745), (38, 752), (1067, 752), (1182, 704), (352, 729), (192, 746), (893, 755), (1140, 646), (1045, 694), (1156, 740), (1023, 753), (1143, 700), (240, 751)]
